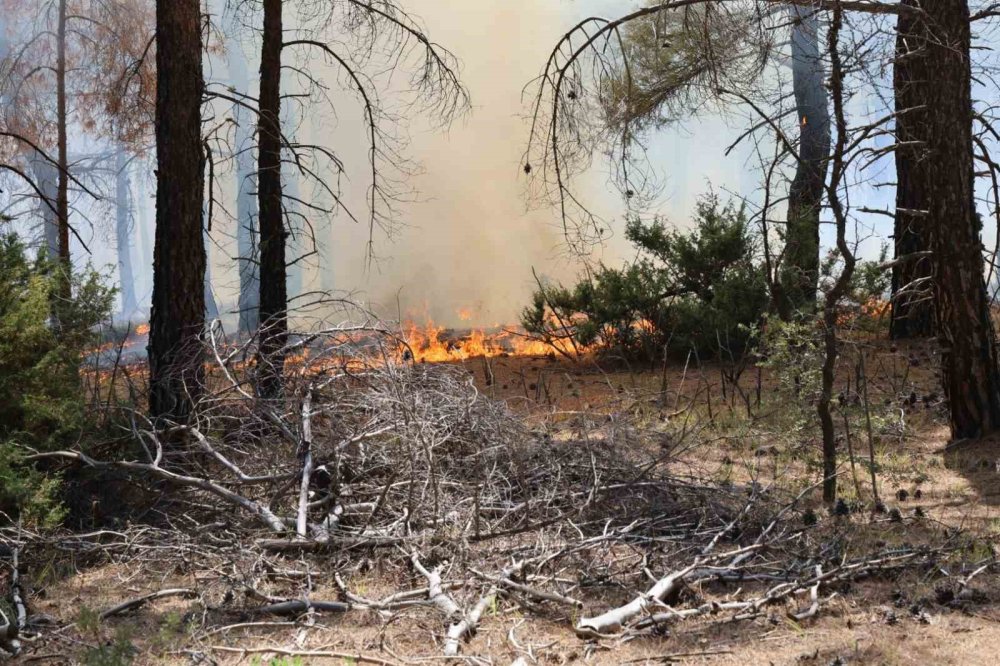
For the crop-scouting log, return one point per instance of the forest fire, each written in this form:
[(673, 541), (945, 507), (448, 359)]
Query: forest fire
[(418, 343), (431, 343)]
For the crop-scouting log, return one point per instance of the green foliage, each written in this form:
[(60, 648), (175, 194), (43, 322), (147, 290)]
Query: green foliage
[(41, 402), (869, 280), (794, 351), (697, 291), (677, 63)]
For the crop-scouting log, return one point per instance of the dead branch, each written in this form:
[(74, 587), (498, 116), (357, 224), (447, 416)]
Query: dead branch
[(132, 604), (356, 657), (466, 627), (542, 595), (305, 454), (299, 606)]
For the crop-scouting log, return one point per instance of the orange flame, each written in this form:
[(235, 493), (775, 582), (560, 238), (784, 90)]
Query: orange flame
[(431, 343)]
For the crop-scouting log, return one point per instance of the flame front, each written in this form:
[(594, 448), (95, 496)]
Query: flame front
[(431, 343), (426, 343)]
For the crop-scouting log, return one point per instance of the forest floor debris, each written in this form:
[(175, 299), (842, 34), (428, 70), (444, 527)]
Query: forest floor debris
[(452, 522)]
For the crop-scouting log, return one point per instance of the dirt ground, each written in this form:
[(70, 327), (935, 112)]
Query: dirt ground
[(928, 480)]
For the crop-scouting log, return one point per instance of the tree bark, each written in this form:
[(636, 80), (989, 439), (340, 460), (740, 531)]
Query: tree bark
[(912, 310), (62, 196), (273, 285), (968, 346), (178, 309), (805, 196)]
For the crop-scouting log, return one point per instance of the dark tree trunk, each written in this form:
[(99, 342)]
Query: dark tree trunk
[(912, 308), (178, 309), (273, 286), (123, 235), (805, 196), (968, 355), (62, 197)]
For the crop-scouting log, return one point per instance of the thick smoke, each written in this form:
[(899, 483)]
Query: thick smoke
[(468, 242)]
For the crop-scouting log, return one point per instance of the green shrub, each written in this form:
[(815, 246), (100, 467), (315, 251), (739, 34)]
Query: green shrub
[(41, 401), (699, 291)]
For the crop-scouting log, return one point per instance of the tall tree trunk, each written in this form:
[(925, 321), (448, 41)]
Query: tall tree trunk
[(246, 185), (62, 197), (123, 235), (273, 286), (178, 309), (805, 196), (912, 309), (968, 355)]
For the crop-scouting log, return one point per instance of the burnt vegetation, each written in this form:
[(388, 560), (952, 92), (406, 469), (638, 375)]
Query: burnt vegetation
[(740, 436)]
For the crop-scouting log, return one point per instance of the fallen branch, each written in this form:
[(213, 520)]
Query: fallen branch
[(298, 606), (466, 627), (305, 454), (813, 596), (435, 592), (261, 512), (542, 595), (357, 657), (616, 618), (141, 601), (329, 543)]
